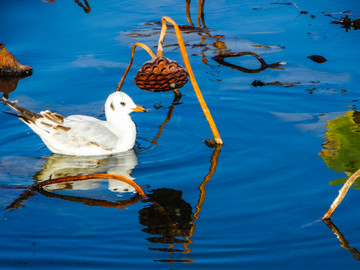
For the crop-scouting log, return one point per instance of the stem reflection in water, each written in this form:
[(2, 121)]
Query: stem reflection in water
[(170, 220), (168, 117), (343, 242), (85, 6)]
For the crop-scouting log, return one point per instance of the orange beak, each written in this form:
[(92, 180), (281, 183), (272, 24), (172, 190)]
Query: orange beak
[(139, 109)]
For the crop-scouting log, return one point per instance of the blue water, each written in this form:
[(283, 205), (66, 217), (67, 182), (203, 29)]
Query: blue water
[(256, 203)]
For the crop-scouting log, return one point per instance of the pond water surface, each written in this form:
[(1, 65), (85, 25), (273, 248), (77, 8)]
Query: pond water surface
[(256, 203)]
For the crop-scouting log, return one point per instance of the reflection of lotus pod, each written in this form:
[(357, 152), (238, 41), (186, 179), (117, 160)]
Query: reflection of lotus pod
[(9, 66), (161, 74), (8, 85)]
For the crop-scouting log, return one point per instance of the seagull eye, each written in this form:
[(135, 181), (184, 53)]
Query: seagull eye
[(123, 104)]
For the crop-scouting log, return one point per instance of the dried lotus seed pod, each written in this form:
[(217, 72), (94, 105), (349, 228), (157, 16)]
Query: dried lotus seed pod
[(161, 74)]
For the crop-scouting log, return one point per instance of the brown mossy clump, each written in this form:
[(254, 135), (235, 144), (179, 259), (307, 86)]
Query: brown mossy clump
[(10, 66), (161, 74)]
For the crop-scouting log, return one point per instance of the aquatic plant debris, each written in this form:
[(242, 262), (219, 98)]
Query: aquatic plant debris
[(220, 59), (10, 66), (257, 83), (346, 22), (317, 58)]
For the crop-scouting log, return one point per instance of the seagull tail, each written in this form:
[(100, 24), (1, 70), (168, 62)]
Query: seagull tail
[(23, 114)]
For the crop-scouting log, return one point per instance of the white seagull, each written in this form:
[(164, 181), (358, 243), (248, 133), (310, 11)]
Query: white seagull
[(82, 135)]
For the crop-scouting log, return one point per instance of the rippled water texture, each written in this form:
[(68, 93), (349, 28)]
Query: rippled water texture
[(256, 203)]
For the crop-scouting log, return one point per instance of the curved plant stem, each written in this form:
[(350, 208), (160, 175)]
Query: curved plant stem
[(138, 189), (146, 48), (200, 97), (342, 193)]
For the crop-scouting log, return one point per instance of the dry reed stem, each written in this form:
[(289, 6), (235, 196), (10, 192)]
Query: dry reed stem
[(198, 93), (342, 193), (137, 44), (138, 189)]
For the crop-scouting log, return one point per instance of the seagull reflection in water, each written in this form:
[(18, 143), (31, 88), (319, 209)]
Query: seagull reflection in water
[(58, 166)]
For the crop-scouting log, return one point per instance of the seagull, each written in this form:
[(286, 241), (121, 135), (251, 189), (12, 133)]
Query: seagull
[(81, 135)]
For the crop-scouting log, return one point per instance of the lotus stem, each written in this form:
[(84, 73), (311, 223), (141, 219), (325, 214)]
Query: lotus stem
[(138, 189), (137, 44), (342, 193), (200, 97)]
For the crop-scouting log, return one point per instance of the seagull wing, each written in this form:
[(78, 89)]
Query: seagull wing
[(89, 131)]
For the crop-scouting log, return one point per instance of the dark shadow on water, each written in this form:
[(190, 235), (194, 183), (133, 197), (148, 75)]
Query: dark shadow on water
[(168, 219)]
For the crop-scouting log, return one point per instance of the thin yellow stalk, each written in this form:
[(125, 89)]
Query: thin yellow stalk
[(200, 97), (342, 193), (137, 44)]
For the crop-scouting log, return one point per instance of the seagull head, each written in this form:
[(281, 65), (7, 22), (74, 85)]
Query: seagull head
[(119, 102)]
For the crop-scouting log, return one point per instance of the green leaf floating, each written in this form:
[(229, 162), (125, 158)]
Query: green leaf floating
[(342, 147)]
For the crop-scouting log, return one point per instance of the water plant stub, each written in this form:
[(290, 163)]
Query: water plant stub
[(10, 66)]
